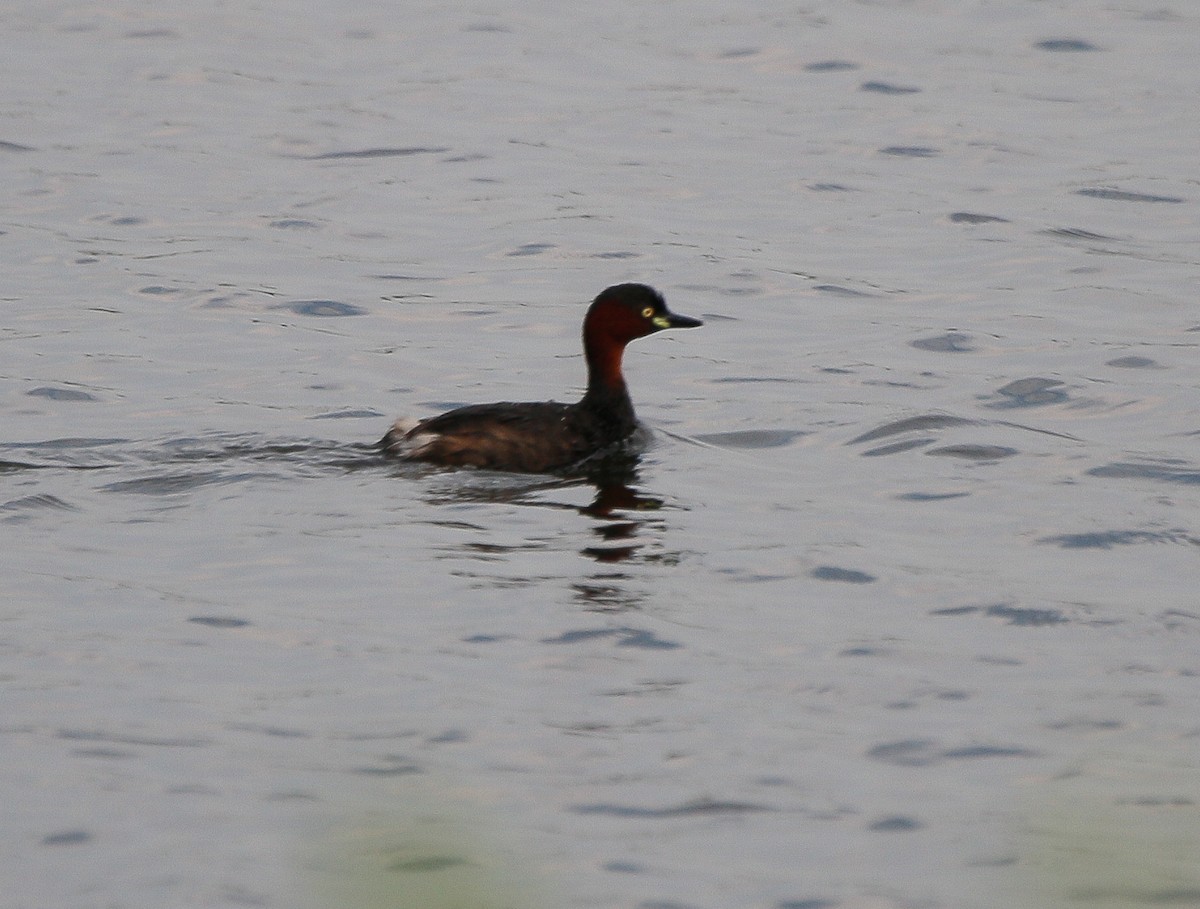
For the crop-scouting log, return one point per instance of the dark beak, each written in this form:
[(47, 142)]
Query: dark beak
[(674, 321)]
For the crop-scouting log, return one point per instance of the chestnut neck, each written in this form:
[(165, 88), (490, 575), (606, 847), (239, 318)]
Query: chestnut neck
[(607, 394)]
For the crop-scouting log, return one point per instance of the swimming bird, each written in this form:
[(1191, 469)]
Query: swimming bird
[(546, 436)]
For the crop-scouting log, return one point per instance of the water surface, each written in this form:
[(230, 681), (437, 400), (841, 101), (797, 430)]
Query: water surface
[(899, 610)]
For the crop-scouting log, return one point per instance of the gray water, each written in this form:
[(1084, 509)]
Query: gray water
[(899, 611)]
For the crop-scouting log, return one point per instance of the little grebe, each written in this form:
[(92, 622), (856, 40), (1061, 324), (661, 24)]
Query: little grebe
[(547, 436)]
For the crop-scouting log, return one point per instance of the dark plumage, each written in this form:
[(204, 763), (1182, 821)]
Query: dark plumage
[(544, 437)]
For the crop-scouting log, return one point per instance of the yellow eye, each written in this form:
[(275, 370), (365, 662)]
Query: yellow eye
[(647, 312)]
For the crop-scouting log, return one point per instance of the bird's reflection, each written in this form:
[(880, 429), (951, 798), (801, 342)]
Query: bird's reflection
[(623, 524), (626, 523), (618, 505), (619, 508)]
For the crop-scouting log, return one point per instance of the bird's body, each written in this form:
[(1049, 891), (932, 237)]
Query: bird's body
[(547, 436)]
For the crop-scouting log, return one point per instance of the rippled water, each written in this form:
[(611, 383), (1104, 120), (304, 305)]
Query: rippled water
[(898, 611)]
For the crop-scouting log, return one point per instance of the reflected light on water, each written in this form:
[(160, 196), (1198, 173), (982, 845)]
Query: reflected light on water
[(421, 848), (1123, 831)]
